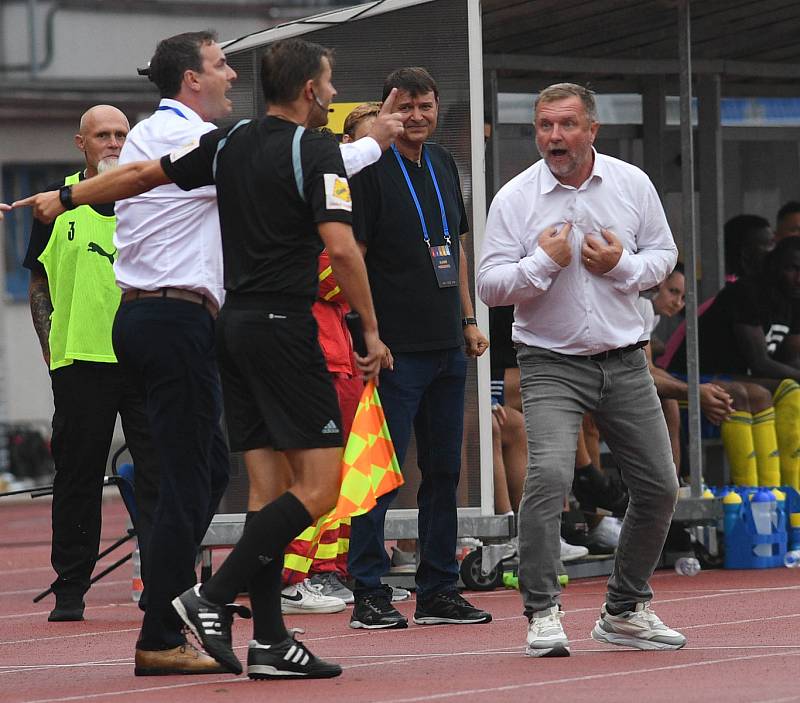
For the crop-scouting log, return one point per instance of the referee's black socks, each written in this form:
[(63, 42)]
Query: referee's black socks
[(263, 541)]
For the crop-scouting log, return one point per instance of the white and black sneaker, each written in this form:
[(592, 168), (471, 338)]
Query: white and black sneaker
[(211, 624), (289, 659), (449, 608), (375, 611), (307, 597), (546, 637), (640, 628)]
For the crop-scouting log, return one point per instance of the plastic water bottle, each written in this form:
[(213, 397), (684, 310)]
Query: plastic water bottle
[(137, 585), (792, 559), (764, 506), (687, 566)]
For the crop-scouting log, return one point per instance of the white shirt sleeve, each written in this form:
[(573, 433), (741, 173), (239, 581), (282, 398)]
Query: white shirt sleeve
[(359, 154), (656, 253), (506, 274), (645, 308)]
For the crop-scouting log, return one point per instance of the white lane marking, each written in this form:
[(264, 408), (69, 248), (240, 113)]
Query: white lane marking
[(139, 691), (39, 590), (88, 608), (98, 633), (577, 679)]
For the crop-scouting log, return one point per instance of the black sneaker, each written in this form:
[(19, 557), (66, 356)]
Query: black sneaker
[(449, 608), (595, 489), (376, 612), (289, 659), (211, 624)]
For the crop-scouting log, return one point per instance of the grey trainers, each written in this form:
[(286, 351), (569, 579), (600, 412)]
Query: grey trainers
[(640, 628), (399, 593), (332, 586), (402, 562), (546, 637)]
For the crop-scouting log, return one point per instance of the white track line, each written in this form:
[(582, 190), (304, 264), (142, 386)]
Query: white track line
[(439, 696), (139, 691), (67, 637), (125, 604), (39, 590), (578, 679), (26, 570), (15, 668)]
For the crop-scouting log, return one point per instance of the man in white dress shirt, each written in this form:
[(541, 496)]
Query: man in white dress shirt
[(570, 242), (169, 267)]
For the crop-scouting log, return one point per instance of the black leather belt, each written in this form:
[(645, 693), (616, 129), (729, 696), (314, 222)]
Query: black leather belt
[(620, 351)]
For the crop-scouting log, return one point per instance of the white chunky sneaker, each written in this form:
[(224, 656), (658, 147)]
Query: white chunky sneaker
[(306, 597), (570, 552), (546, 636), (640, 628)]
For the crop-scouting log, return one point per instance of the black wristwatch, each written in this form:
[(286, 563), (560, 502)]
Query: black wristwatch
[(65, 197), (468, 321)]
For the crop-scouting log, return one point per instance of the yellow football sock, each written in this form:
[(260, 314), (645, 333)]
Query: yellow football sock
[(737, 439), (787, 427), (765, 441)]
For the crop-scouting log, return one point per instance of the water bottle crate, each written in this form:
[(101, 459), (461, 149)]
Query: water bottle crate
[(793, 516), (742, 538)]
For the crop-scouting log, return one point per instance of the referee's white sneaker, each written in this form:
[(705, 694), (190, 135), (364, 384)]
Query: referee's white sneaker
[(306, 597), (546, 637), (640, 628)]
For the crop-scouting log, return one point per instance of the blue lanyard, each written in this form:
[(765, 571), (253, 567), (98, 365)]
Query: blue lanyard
[(174, 109), (425, 234)]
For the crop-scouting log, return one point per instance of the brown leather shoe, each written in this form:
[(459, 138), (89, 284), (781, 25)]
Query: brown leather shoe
[(185, 659)]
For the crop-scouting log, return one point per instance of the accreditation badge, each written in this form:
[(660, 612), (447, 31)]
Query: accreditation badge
[(444, 266)]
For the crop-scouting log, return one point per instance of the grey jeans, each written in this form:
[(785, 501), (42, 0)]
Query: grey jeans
[(556, 391)]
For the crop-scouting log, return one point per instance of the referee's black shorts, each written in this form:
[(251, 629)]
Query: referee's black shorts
[(277, 389)]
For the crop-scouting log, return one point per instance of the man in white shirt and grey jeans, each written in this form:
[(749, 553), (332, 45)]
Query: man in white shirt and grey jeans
[(570, 242)]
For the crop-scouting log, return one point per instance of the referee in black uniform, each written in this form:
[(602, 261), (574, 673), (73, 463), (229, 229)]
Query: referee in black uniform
[(282, 192)]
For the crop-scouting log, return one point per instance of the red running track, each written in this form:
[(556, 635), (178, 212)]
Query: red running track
[(743, 629)]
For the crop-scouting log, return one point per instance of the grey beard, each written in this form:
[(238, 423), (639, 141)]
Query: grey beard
[(107, 164)]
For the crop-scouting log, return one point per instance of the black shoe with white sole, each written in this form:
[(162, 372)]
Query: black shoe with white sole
[(211, 624), (376, 612), (449, 608), (289, 659)]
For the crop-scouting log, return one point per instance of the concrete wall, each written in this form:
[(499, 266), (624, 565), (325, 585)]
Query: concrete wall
[(99, 43)]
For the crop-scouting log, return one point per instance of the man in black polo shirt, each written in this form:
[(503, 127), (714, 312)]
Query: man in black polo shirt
[(409, 216)]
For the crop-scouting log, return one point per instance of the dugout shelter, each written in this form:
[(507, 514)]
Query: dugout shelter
[(700, 91)]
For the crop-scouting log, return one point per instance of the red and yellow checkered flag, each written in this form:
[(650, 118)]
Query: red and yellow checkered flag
[(369, 464)]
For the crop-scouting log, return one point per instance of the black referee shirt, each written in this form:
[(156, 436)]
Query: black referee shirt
[(270, 242)]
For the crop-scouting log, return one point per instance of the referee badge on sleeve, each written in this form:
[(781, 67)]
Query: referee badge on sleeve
[(182, 151), (337, 193)]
